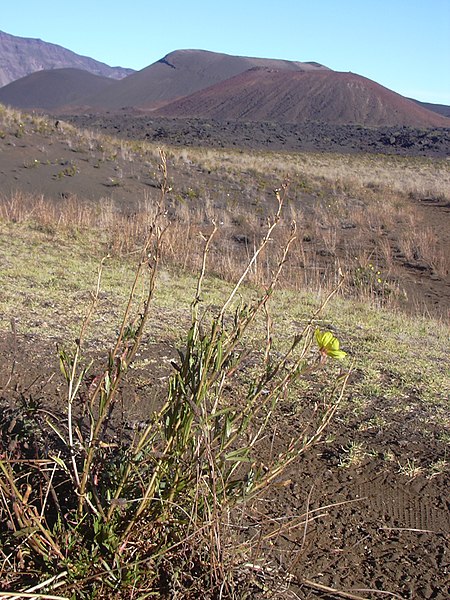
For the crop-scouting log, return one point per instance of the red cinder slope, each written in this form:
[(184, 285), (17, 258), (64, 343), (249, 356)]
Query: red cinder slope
[(262, 94)]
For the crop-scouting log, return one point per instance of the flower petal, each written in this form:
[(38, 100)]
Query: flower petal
[(338, 354), (334, 344), (327, 339)]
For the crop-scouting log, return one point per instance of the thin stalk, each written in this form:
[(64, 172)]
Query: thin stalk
[(155, 235), (301, 446), (257, 252), (201, 276), (73, 387), (25, 517), (125, 361)]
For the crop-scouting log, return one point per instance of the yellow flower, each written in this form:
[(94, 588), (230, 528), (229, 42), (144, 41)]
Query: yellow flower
[(329, 345)]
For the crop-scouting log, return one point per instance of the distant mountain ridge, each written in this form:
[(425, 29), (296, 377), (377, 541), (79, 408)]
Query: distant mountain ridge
[(441, 109), (193, 83), (21, 56)]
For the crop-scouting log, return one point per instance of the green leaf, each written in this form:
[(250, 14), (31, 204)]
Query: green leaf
[(219, 355), (240, 455), (59, 461)]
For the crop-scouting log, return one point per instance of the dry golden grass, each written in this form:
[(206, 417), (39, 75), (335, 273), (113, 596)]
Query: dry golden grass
[(322, 247), (350, 173), (351, 211)]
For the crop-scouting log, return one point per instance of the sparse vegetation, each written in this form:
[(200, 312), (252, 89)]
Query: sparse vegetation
[(168, 468), (354, 210), (177, 480)]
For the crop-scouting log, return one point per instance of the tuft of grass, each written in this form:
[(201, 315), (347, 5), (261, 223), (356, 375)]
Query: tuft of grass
[(411, 468), (353, 455)]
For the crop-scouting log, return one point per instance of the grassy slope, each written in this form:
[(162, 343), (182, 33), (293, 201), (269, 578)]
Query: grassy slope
[(400, 363), (357, 209), (394, 419)]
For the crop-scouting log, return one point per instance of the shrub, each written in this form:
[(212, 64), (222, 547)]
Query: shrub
[(89, 518)]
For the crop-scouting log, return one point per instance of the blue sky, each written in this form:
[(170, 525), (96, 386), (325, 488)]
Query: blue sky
[(402, 44)]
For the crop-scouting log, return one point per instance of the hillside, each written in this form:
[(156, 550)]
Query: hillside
[(21, 56), (206, 85), (393, 209), (262, 94), (181, 73), (52, 88), (441, 109)]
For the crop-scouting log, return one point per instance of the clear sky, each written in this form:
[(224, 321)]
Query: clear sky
[(402, 44)]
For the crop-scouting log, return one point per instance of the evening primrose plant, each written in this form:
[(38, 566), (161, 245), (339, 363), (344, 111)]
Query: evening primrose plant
[(328, 345), (92, 518)]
